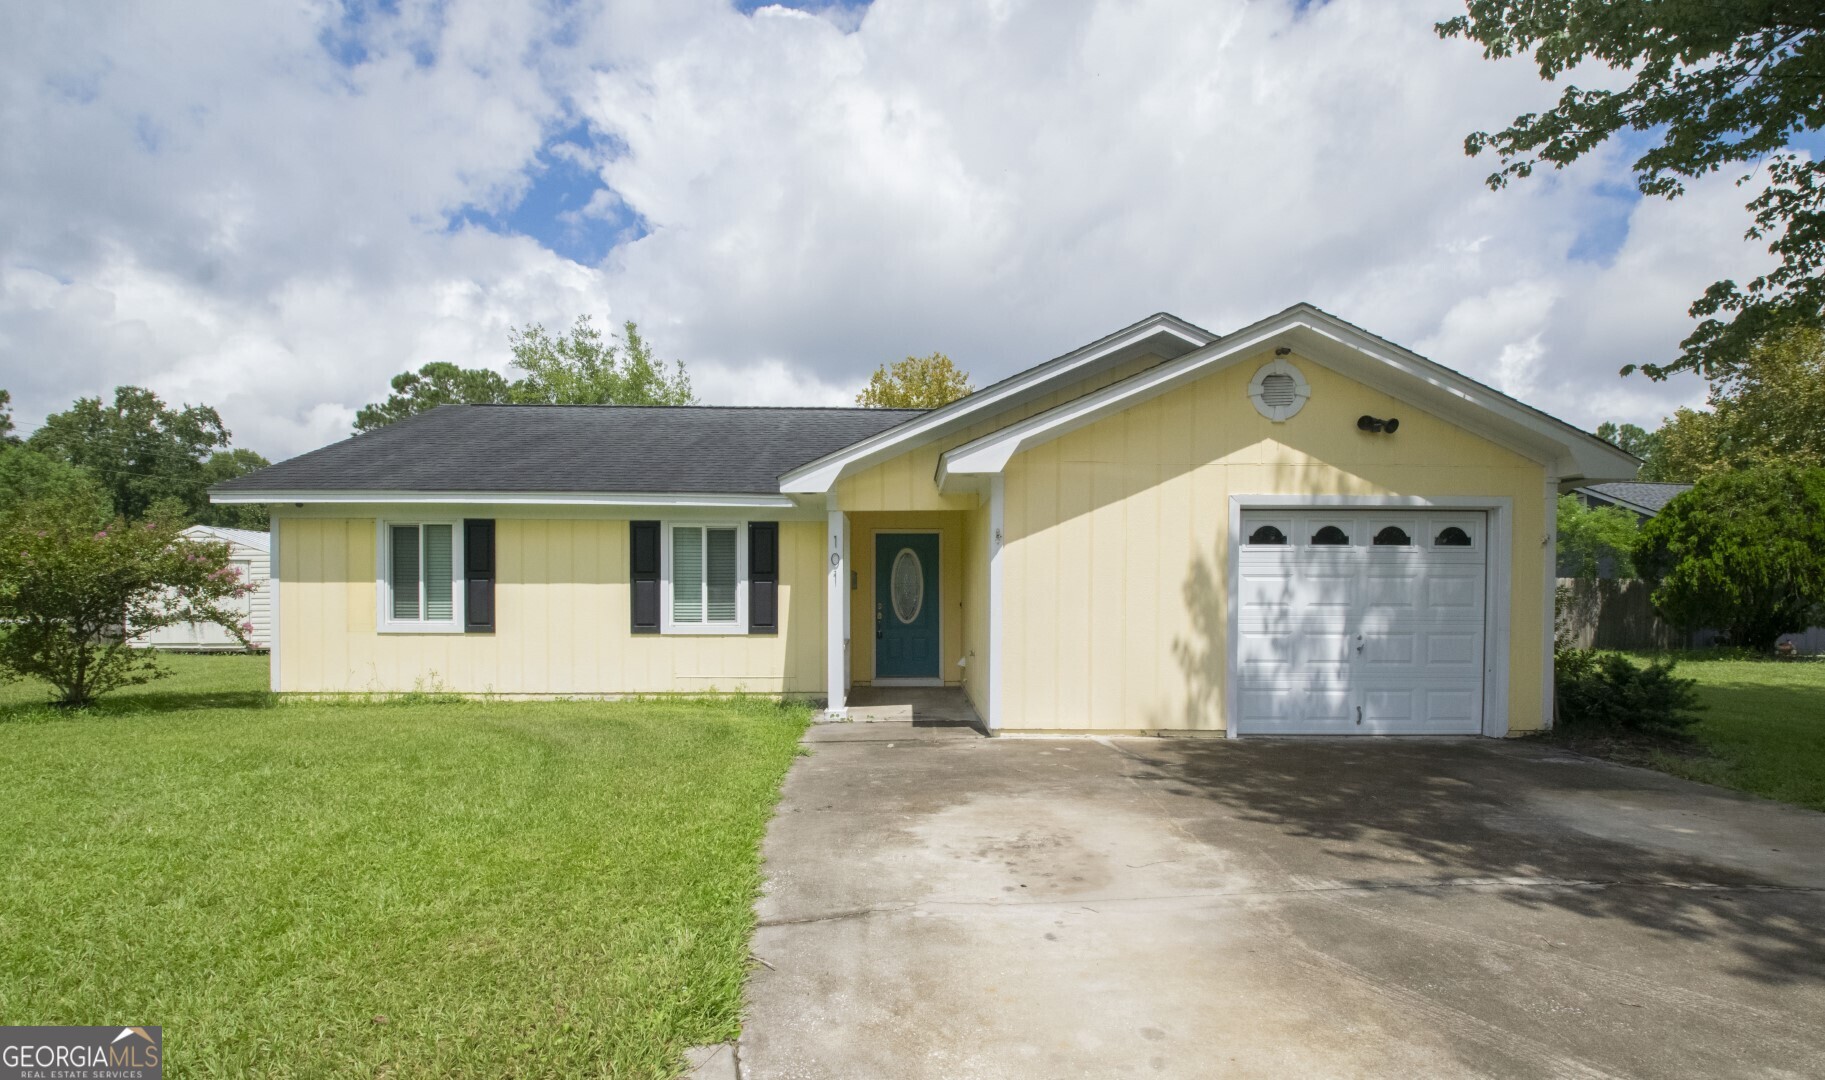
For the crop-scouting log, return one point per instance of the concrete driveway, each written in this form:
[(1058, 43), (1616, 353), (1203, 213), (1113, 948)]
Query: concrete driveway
[(944, 905)]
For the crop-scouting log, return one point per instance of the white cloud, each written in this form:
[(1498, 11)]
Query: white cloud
[(207, 202)]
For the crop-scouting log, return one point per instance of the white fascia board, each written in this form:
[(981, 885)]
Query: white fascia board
[(1313, 333), (507, 498), (821, 475)]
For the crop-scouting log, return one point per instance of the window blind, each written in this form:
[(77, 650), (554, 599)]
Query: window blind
[(440, 573), (687, 574), (405, 571), (719, 572)]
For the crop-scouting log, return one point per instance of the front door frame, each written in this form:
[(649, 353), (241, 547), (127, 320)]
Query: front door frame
[(1498, 586), (874, 546)]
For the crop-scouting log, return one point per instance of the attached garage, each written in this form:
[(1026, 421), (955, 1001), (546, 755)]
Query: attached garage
[(1366, 622), (1299, 529)]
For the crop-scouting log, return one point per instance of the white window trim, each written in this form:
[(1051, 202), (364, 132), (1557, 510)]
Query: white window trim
[(384, 622), (1302, 390), (740, 625)]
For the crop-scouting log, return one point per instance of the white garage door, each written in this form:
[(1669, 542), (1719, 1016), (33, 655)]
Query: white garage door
[(1361, 623)]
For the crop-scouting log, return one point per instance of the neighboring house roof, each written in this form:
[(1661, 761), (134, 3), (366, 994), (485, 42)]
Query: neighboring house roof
[(1641, 497), (1569, 452), (557, 449), (244, 537)]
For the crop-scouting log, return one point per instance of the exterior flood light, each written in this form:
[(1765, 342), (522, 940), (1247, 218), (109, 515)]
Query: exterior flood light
[(1365, 422)]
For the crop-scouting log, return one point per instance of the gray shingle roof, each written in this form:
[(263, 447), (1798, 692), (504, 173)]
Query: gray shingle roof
[(1650, 497), (578, 448)]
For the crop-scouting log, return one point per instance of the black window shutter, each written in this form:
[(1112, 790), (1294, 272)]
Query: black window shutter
[(763, 577), (643, 574), (478, 575)]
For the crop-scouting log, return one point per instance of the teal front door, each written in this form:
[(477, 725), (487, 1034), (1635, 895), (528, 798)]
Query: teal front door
[(906, 606)]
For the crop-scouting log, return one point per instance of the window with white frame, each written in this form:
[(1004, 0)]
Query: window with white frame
[(420, 587), (705, 579)]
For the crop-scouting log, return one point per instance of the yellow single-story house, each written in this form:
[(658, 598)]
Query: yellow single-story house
[(1294, 528)]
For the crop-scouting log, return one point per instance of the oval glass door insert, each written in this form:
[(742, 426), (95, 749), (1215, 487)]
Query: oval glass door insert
[(908, 585)]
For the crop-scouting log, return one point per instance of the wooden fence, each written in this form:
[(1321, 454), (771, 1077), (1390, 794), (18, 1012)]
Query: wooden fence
[(1617, 614)]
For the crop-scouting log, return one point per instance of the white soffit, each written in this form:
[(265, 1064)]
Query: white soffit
[(1162, 335), (1323, 338)]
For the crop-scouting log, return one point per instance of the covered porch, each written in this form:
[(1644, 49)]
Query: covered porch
[(908, 611)]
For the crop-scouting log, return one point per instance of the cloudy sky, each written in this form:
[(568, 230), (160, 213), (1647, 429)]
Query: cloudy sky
[(273, 208)]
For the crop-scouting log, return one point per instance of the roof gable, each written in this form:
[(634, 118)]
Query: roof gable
[(1566, 451), (1163, 335)]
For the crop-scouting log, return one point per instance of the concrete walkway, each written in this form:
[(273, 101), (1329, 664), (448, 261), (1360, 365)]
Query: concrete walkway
[(944, 905)]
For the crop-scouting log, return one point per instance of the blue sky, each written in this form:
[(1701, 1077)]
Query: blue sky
[(553, 206)]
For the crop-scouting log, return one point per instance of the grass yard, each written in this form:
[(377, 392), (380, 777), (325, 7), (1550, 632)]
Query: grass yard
[(1763, 728), (1762, 731), (384, 889)]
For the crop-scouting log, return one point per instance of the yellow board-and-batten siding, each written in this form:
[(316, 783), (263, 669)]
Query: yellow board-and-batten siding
[(1117, 590), (562, 618)]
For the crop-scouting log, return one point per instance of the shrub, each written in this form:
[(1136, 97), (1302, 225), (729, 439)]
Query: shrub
[(1743, 552), (1609, 691), (74, 592)]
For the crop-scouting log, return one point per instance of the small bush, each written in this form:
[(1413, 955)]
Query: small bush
[(1609, 691)]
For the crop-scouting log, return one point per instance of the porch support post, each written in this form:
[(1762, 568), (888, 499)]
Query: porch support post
[(836, 612), (997, 651), (1549, 554)]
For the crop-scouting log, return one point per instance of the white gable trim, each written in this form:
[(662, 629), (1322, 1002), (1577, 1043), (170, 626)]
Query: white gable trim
[(1162, 333), (1333, 343)]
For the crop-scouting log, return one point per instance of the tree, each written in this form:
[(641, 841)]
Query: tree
[(1767, 410), (1712, 85), (6, 418), (138, 449), (27, 476), (225, 465), (1743, 552), (1689, 444), (437, 383), (1595, 541), (1630, 438), (917, 382), (72, 595), (583, 368)]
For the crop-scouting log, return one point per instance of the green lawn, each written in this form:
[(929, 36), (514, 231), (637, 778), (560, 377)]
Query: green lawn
[(414, 888), (1763, 728)]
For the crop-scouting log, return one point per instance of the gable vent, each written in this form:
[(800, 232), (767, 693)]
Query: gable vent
[(1278, 390)]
